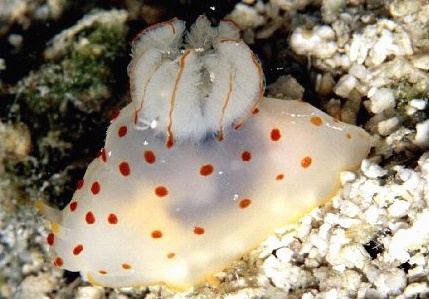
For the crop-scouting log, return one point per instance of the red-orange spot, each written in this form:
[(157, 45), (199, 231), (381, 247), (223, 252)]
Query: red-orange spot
[(156, 234), (73, 206), (79, 184), (348, 136), (122, 131), (275, 134), (206, 169), (115, 114), (306, 162), (280, 177), (220, 136), (90, 218), (255, 110), (124, 168), (198, 230), (149, 157), (237, 127), (95, 188), (161, 191), (316, 120), (50, 239), (58, 262), (112, 218), (244, 203), (126, 266), (78, 249), (171, 255), (102, 272), (170, 141), (246, 156), (102, 154)]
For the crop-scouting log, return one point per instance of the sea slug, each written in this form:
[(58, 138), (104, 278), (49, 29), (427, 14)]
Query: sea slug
[(199, 168)]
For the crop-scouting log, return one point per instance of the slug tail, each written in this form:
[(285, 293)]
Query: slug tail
[(52, 214)]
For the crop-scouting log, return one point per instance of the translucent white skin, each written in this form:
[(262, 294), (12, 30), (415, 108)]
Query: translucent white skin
[(296, 155)]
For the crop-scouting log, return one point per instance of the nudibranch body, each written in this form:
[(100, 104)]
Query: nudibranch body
[(193, 174)]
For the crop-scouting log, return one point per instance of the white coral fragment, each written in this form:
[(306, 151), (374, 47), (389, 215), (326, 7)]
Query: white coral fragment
[(378, 41), (381, 100), (405, 240), (422, 134), (345, 85), (391, 282), (308, 42), (421, 62)]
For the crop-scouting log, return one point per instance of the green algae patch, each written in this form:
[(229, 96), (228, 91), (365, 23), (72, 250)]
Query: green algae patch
[(406, 92), (67, 103), (80, 66)]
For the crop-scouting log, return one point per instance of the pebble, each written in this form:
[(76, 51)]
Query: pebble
[(346, 177), (372, 215), (90, 293), (388, 126), (345, 85), (391, 282), (421, 62), (284, 254), (307, 42), (372, 170), (409, 239), (381, 100), (419, 104), (417, 289), (399, 208), (422, 135), (418, 259)]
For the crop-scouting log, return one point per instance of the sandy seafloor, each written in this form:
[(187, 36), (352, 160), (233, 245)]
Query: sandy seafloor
[(63, 73)]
